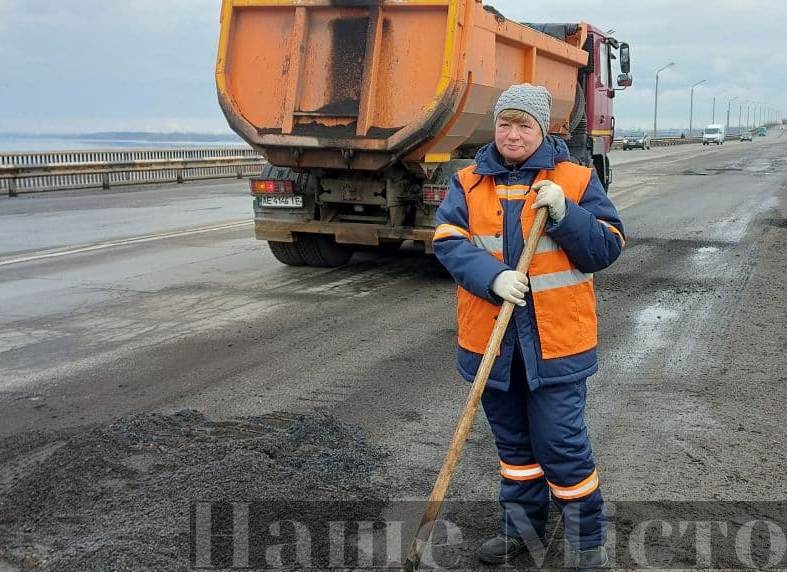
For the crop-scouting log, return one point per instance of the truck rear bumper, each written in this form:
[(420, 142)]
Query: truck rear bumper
[(344, 233)]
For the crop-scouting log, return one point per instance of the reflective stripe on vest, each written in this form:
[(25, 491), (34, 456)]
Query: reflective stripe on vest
[(558, 280), (494, 244), (512, 192), (563, 299), (545, 244), (491, 244)]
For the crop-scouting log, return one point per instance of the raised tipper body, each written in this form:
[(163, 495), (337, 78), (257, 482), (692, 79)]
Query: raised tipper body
[(365, 107)]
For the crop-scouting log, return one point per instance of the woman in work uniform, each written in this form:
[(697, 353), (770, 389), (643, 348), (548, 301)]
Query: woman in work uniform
[(535, 397)]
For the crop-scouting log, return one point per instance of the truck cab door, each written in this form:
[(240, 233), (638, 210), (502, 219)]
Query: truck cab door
[(602, 123)]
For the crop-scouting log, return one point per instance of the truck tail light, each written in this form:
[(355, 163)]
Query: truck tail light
[(264, 186), (434, 194)]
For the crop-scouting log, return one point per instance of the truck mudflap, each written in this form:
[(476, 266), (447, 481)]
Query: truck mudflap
[(344, 233)]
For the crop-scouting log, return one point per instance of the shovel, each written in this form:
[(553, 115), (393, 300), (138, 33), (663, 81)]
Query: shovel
[(471, 406)]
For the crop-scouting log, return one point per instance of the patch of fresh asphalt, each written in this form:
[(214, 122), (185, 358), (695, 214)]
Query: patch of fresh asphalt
[(687, 404)]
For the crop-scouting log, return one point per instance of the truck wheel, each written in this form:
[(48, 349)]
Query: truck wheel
[(601, 164), (286, 253), (322, 250), (578, 111)]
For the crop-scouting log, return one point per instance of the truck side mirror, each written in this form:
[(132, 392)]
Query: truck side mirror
[(625, 58), (625, 80)]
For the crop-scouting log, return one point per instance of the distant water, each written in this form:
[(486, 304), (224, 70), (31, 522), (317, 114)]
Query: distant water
[(11, 144)]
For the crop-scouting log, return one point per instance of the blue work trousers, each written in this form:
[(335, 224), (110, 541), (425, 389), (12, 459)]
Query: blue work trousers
[(544, 449)]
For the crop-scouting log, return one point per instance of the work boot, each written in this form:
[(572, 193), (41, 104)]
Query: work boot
[(500, 549), (592, 558)]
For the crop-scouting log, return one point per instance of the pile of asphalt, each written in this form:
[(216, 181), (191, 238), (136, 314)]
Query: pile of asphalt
[(120, 496)]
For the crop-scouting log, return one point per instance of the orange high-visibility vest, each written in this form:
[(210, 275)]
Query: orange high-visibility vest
[(563, 299)]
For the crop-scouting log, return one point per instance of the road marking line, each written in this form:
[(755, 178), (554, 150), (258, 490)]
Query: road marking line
[(125, 242)]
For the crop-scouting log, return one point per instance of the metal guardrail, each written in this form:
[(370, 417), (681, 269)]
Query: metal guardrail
[(63, 170), (662, 141), (669, 141), (30, 172)]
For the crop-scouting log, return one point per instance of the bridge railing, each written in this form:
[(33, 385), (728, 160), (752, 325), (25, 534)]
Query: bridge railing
[(669, 141), (662, 141), (30, 172)]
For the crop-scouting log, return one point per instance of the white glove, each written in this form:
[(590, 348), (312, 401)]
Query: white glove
[(551, 195), (511, 286)]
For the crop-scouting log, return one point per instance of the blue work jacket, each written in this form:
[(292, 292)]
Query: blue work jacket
[(589, 244)]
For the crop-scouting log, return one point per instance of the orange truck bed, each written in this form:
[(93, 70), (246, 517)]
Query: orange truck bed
[(363, 84)]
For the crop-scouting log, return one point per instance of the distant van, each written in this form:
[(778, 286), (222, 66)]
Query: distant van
[(713, 134)]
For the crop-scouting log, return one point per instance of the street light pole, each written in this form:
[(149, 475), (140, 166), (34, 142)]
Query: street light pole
[(656, 99), (729, 103), (691, 108), (713, 114)]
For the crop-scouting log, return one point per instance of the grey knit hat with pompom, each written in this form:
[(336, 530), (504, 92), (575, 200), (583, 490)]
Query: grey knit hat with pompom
[(534, 100)]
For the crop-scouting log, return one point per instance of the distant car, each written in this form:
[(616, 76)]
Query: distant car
[(713, 134), (746, 136), (639, 140)]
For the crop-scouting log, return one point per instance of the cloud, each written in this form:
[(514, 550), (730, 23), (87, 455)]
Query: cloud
[(90, 64), (735, 46)]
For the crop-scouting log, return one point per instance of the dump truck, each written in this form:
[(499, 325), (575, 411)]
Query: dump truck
[(364, 109)]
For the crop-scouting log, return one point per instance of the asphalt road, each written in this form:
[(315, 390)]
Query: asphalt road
[(158, 300)]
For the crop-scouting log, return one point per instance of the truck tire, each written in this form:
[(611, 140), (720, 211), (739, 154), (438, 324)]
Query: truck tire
[(578, 144), (578, 112), (322, 250), (286, 253), (601, 165)]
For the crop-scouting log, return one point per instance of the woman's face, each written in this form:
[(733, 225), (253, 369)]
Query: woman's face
[(517, 141)]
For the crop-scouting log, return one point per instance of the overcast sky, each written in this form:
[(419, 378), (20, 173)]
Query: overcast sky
[(94, 65)]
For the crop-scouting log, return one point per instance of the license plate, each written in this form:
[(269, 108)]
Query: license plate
[(281, 201)]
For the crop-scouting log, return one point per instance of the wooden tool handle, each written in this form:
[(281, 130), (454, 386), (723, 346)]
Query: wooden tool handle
[(471, 405)]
